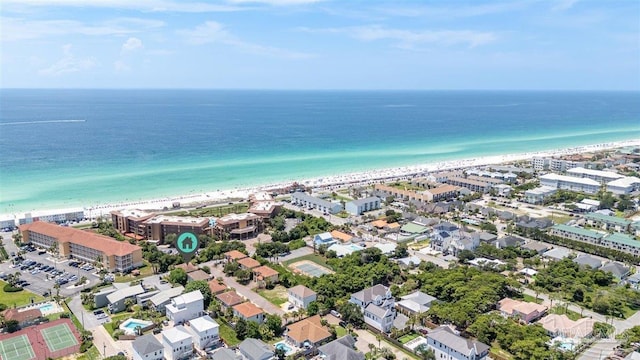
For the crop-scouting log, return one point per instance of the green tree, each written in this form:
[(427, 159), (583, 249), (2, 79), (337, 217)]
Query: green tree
[(312, 308), (274, 323), (203, 286), (241, 329), (178, 276)]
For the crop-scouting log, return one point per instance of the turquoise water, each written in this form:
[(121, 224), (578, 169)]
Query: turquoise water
[(68, 148), (132, 324), (283, 346), (46, 307), (354, 247)]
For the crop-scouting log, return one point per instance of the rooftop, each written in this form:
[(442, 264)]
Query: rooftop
[(230, 298), (339, 235), (87, 239), (608, 219), (127, 292), (597, 173), (146, 344), (508, 306), (444, 335), (166, 295), (203, 323), (367, 200), (309, 329), (622, 239), (578, 231), (247, 309), (302, 291), (235, 255), (178, 220), (571, 179), (231, 218), (176, 334), (199, 275), (265, 271), (216, 287), (249, 263), (367, 295)]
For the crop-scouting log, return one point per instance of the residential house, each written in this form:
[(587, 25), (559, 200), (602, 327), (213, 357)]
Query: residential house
[(147, 347), (234, 255), (253, 349), (634, 281), (301, 296), (539, 195), (24, 317), (187, 267), (324, 238), (177, 343), (360, 206), (409, 262), (561, 325), (377, 305), (618, 270), (264, 274), (508, 241), (185, 307), (198, 275), (557, 254), (525, 311), (248, 263), (249, 312), (536, 246), (589, 261), (340, 349), (226, 354), (159, 301), (118, 298), (205, 332), (229, 299), (342, 237), (415, 303), (308, 331), (217, 287), (448, 345)]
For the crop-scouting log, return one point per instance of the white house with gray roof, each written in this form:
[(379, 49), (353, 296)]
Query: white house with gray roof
[(147, 347), (205, 332), (117, 298), (185, 307), (416, 303), (447, 345), (359, 206), (254, 349), (340, 349), (163, 298), (177, 343), (301, 296), (377, 306)]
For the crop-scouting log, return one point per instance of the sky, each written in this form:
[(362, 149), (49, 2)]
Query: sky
[(315, 44)]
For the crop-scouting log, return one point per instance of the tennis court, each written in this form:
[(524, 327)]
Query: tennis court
[(16, 348), (59, 337), (309, 268)]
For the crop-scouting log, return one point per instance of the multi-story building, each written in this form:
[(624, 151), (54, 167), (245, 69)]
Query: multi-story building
[(611, 223), (140, 225), (576, 233), (377, 305), (249, 312), (481, 186), (301, 296), (185, 307), (147, 347), (238, 226), (539, 194), (625, 185), (622, 242), (312, 202), (131, 222), (87, 246), (54, 216), (448, 345), (263, 205), (205, 332), (571, 183), (595, 175), (359, 206), (178, 343)]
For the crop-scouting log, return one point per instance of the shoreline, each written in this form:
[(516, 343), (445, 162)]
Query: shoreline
[(325, 182)]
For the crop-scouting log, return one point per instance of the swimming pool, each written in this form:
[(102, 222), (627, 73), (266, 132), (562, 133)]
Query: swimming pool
[(46, 307), (354, 247), (565, 344), (283, 346), (130, 325)]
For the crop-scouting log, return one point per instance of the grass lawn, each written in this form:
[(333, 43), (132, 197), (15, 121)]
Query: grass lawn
[(560, 310), (19, 298), (560, 218), (407, 337), (529, 298), (496, 349), (311, 257), (145, 270), (228, 335), (340, 331), (276, 296), (343, 214), (117, 319), (91, 354)]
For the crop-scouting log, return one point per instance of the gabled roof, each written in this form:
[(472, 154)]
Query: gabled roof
[(188, 267), (249, 263), (216, 287), (235, 255), (341, 349), (255, 349), (225, 354), (198, 275), (444, 335), (417, 301), (302, 291), (309, 329), (146, 344), (341, 236), (376, 310), (589, 261), (618, 270), (125, 293), (230, 298), (367, 295), (166, 295), (247, 309)]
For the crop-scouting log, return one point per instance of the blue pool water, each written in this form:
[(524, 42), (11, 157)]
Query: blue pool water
[(132, 324), (283, 346), (355, 247), (46, 307)]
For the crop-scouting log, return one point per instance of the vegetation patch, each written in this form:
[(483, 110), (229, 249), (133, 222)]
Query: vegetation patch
[(276, 296), (228, 335), (407, 337), (21, 297), (311, 257)]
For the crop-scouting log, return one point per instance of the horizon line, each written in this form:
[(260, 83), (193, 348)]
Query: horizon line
[(317, 89)]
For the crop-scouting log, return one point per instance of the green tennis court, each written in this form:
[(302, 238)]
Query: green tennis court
[(59, 337), (17, 348)]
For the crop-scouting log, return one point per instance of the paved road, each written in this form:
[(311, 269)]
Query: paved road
[(244, 290), (599, 350), (434, 259), (296, 254)]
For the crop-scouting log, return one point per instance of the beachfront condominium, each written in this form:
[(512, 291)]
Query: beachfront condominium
[(263, 204), (571, 183), (237, 226), (84, 245), (596, 175), (142, 225), (305, 200)]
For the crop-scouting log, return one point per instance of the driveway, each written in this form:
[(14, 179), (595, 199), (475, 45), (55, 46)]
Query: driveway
[(366, 337)]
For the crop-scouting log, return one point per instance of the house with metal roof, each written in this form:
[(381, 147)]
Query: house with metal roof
[(609, 223), (415, 303), (448, 345), (622, 242), (225, 354), (341, 349), (117, 298), (147, 347), (576, 233), (589, 261), (161, 299), (254, 349)]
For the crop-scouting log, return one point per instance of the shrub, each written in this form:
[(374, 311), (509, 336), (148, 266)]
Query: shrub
[(9, 288)]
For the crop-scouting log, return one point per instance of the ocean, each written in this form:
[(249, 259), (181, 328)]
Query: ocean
[(69, 148)]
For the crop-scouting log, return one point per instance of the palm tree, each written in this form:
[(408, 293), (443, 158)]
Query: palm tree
[(286, 317)]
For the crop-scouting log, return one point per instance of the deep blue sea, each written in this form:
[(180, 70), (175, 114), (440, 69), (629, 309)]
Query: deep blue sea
[(66, 148)]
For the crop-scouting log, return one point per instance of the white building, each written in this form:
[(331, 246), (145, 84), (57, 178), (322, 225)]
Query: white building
[(305, 200), (447, 345), (570, 183), (205, 332), (177, 343), (377, 305), (147, 347), (596, 175), (539, 194), (357, 207), (301, 296), (185, 307), (624, 185)]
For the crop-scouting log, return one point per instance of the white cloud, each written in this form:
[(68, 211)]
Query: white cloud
[(276, 2), (214, 32), (411, 38), (142, 5), (458, 11), (14, 29), (69, 63), (563, 5), (120, 66), (131, 44)]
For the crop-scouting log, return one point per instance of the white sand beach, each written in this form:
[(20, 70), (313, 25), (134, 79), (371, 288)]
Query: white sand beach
[(328, 182)]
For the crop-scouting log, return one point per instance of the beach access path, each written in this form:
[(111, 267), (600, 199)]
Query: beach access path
[(245, 291)]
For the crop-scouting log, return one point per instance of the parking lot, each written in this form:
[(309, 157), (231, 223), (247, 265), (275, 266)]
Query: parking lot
[(40, 272)]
